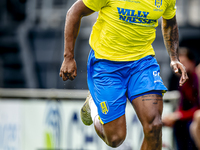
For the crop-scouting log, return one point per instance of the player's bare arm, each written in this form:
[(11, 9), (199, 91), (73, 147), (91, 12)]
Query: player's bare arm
[(171, 40), (68, 69)]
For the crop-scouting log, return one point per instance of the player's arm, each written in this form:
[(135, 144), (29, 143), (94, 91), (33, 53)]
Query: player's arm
[(171, 40), (68, 69)]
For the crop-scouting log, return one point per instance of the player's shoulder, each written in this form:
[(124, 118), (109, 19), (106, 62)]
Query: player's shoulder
[(95, 5)]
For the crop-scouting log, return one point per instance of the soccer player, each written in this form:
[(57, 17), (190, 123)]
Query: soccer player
[(188, 104), (121, 64)]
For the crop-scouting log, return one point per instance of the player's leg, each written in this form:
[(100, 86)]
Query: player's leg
[(149, 110), (112, 133), (145, 90), (108, 90), (110, 123), (109, 118), (195, 128)]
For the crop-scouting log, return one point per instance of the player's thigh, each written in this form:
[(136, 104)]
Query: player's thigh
[(107, 87), (148, 108)]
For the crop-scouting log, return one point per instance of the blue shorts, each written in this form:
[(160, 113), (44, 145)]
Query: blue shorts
[(111, 83)]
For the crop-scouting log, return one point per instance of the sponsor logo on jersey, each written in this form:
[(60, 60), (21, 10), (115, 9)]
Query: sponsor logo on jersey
[(134, 16)]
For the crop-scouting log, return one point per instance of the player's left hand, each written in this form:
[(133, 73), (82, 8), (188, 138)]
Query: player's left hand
[(179, 69)]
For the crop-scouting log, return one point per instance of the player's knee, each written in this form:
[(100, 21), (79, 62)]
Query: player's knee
[(116, 140), (197, 117), (153, 129)]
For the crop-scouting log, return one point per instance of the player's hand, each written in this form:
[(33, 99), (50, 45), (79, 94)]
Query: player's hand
[(68, 69), (170, 119), (179, 69)]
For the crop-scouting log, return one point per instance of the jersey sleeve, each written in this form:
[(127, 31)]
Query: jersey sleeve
[(95, 5), (170, 11)]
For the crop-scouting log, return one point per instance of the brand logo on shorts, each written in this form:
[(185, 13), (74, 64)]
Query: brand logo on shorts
[(104, 107), (156, 73), (157, 77)]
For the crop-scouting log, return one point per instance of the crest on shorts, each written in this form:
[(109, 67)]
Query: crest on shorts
[(104, 107), (158, 3)]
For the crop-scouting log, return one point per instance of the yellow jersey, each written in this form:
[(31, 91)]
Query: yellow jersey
[(125, 29)]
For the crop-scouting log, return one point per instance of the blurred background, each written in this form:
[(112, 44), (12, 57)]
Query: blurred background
[(31, 53)]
